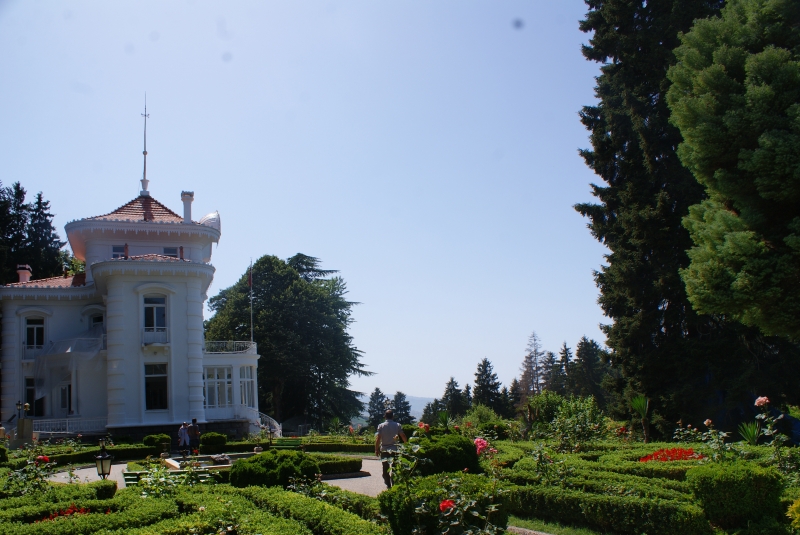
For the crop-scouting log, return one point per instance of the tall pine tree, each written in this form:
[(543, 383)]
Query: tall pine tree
[(689, 365), (453, 399), (376, 407), (402, 409), (487, 387)]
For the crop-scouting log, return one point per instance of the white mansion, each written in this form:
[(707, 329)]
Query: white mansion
[(120, 348)]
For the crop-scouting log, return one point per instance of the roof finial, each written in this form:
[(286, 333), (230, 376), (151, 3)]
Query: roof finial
[(145, 182)]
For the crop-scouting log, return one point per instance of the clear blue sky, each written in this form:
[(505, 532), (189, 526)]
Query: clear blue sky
[(427, 150)]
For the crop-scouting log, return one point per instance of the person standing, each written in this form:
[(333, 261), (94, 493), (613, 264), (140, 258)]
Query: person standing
[(386, 443), (194, 435), (183, 437)]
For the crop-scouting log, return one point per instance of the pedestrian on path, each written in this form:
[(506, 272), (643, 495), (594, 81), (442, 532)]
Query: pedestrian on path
[(183, 438), (194, 435), (386, 443)]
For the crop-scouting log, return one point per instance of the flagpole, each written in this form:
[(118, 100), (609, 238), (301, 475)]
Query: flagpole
[(250, 281)]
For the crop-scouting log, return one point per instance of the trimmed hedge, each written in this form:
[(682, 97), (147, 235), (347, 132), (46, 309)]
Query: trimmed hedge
[(321, 518), (272, 468), (155, 441), (213, 439), (735, 495), (336, 464), (97, 490), (366, 507), (620, 514), (120, 453), (449, 453), (398, 505), (333, 446)]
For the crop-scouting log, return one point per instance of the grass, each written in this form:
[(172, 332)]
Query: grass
[(550, 527)]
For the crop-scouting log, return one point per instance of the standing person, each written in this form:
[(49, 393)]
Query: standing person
[(386, 443), (194, 435), (183, 438)]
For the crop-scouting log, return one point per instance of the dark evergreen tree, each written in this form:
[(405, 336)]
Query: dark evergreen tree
[(376, 407), (453, 399), (402, 409), (587, 370), (43, 243), (430, 414), (487, 387), (553, 377), (515, 395), (468, 396), (565, 359), (506, 403), (689, 365)]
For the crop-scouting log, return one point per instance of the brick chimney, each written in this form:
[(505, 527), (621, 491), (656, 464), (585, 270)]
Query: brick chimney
[(24, 272)]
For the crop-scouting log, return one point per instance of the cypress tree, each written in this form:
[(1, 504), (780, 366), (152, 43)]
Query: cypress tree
[(660, 346), (43, 244)]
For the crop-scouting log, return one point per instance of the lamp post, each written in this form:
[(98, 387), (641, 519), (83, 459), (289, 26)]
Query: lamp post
[(103, 461), (19, 409)]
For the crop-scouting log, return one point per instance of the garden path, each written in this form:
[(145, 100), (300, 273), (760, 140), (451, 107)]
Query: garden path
[(89, 474), (371, 486)]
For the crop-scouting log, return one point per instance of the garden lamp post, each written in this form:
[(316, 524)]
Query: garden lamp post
[(103, 461), (19, 409)]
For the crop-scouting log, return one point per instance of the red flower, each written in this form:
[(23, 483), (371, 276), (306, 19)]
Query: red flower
[(421, 425), (43, 458), (427, 428), (446, 504), (672, 454)]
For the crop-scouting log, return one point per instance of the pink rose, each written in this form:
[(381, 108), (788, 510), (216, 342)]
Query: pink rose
[(762, 401), (708, 423)]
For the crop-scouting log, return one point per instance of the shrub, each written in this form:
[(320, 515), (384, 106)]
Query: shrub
[(271, 468), (155, 441), (734, 495), (448, 453), (331, 446), (480, 414), (399, 503), (577, 421), (213, 439), (794, 514), (3, 455), (629, 515), (336, 464)]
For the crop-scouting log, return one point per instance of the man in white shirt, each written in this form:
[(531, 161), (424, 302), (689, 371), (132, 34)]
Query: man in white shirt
[(386, 443)]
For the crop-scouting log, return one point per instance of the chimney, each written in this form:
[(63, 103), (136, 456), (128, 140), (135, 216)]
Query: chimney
[(181, 252), (187, 197), (24, 272)]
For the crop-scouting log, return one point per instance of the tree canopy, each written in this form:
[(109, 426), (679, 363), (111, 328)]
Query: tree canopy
[(27, 236), (300, 325), (688, 364), (736, 100)]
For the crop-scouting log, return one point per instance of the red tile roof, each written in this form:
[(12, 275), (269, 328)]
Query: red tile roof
[(142, 208), (70, 281)]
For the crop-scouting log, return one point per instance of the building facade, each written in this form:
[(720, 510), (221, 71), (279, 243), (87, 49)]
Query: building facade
[(120, 348)]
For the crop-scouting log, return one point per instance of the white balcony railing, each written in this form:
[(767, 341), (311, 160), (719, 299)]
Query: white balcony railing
[(31, 352), (70, 425), (217, 347), (155, 335)]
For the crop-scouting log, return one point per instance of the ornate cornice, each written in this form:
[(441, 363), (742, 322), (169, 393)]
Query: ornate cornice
[(48, 293), (142, 227)]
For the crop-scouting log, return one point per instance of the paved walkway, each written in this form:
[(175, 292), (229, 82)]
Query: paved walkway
[(371, 486), (89, 474)]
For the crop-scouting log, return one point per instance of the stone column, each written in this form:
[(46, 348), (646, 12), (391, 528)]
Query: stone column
[(194, 348), (115, 336), (11, 381)]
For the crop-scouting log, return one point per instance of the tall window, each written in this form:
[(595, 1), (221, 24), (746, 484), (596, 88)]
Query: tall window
[(247, 386), (155, 387), (34, 333), (218, 386), (171, 251), (117, 251), (97, 321), (155, 314)]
